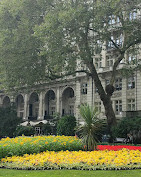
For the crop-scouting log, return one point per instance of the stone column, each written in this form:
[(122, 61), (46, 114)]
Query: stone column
[(138, 91), (58, 101), (90, 92), (124, 95), (41, 114), (26, 107), (102, 106), (77, 100)]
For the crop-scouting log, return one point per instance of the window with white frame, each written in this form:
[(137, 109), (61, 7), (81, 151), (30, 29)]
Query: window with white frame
[(131, 104), (118, 84), (37, 130), (98, 106), (84, 88), (118, 106), (110, 43), (133, 15), (119, 40), (98, 62), (113, 20), (98, 47), (131, 59), (131, 82), (109, 61)]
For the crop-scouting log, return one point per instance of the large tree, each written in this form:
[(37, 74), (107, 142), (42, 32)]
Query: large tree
[(20, 63), (75, 30), (43, 40)]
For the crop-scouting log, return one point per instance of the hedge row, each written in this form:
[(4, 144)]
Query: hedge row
[(29, 145)]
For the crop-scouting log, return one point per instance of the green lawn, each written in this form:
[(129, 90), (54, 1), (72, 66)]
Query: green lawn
[(68, 173)]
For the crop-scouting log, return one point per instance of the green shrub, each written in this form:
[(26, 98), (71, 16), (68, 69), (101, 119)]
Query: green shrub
[(128, 125), (47, 129), (24, 130), (28, 145), (66, 126), (8, 122)]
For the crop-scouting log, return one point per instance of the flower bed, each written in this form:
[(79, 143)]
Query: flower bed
[(29, 145), (117, 147), (122, 159)]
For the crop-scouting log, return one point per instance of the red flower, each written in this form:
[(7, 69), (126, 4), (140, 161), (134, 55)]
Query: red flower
[(117, 147)]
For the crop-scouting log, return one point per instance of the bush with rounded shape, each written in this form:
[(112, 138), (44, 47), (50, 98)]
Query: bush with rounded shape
[(66, 126), (47, 129), (24, 130)]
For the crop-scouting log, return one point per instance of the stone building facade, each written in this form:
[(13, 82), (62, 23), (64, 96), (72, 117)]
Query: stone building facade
[(66, 96)]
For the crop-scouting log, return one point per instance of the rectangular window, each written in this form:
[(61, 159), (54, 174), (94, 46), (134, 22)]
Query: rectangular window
[(110, 44), (98, 106), (118, 107), (119, 40), (118, 84), (131, 104), (84, 88), (131, 59), (37, 130), (113, 20), (98, 47), (131, 83), (98, 62), (133, 15), (109, 61)]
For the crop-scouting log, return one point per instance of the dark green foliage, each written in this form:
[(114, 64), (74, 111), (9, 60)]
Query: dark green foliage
[(27, 131), (66, 126), (8, 122), (128, 125), (47, 129)]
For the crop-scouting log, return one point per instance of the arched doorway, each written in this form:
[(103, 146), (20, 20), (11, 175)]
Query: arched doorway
[(68, 101), (6, 102), (50, 104), (33, 106), (20, 105)]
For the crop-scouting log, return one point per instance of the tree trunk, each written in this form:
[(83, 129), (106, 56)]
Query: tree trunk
[(109, 113), (105, 97)]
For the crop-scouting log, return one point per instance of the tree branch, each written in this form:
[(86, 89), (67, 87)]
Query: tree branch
[(54, 76), (115, 68)]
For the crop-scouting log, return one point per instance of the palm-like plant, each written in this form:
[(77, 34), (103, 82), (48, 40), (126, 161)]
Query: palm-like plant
[(88, 131)]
